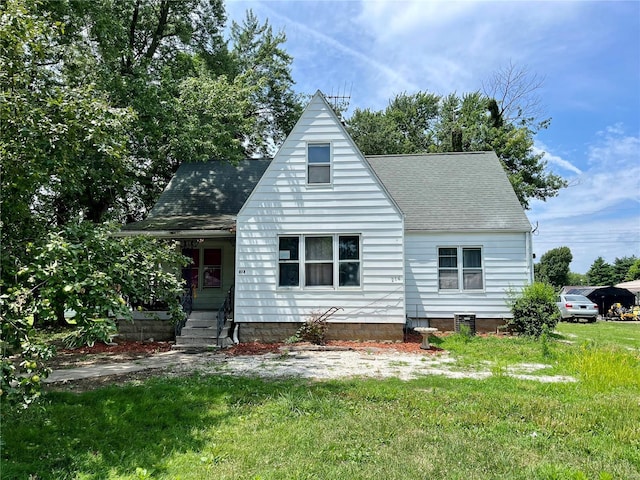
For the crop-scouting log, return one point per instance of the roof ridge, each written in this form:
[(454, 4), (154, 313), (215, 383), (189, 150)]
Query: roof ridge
[(430, 154)]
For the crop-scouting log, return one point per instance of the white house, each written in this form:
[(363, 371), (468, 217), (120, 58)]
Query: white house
[(375, 240)]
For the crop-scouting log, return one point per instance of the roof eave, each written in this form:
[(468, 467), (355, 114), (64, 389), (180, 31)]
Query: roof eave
[(177, 233), (467, 230)]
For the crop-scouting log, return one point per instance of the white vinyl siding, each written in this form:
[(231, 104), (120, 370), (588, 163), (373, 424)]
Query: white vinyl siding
[(283, 205), (505, 264)]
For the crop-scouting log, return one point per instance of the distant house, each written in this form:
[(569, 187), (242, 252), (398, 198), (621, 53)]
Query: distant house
[(379, 239)]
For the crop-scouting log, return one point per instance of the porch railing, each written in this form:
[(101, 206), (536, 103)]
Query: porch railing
[(225, 312), (187, 306)]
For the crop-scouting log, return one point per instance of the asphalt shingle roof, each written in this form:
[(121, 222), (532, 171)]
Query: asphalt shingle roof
[(436, 192), (451, 191), (203, 196)]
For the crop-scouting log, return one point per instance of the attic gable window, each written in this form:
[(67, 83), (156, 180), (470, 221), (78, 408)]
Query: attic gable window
[(318, 163)]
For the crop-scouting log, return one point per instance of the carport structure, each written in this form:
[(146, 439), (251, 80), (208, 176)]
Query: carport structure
[(604, 297), (633, 286)]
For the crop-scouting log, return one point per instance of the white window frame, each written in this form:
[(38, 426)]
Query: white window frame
[(328, 164), (460, 268), (336, 262)]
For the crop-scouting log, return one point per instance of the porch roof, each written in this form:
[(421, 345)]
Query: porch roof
[(203, 196)]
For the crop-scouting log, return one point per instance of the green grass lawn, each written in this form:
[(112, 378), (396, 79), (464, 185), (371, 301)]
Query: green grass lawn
[(222, 427)]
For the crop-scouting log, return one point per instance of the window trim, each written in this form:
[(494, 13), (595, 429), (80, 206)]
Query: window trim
[(335, 262), (460, 268), (328, 164)]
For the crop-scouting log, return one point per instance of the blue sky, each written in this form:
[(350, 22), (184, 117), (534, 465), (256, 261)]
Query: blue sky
[(587, 52)]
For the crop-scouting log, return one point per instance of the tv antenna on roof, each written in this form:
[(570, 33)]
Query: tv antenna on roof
[(340, 101)]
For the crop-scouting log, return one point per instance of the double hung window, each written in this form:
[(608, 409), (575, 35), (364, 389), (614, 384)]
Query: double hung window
[(319, 261), (460, 266), (318, 163), (349, 261)]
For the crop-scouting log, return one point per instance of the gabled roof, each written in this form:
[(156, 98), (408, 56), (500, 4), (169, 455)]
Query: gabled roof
[(318, 122), (451, 191), (436, 192), (203, 196)]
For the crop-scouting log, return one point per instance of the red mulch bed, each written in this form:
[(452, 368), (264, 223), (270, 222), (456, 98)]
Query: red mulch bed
[(410, 345)]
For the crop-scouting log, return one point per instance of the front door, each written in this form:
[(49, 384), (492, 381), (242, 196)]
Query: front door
[(210, 274)]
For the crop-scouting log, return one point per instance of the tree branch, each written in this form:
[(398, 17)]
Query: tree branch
[(127, 61), (158, 34)]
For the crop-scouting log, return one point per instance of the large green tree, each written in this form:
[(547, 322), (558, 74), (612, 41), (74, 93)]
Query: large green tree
[(425, 122), (64, 158), (195, 94), (600, 273), (258, 57), (621, 267), (634, 272), (101, 102), (553, 267), (63, 147)]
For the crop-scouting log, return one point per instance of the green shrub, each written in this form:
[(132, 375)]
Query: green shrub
[(92, 331), (534, 310), (464, 335)]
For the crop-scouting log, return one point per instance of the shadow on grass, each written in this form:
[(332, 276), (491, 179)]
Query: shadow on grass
[(118, 429)]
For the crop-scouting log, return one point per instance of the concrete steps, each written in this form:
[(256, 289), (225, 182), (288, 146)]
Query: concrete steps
[(199, 332)]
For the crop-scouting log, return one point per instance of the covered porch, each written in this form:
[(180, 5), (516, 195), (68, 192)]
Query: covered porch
[(198, 210)]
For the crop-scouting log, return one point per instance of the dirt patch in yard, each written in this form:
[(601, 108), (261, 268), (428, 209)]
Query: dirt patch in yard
[(133, 362), (124, 351), (101, 353)]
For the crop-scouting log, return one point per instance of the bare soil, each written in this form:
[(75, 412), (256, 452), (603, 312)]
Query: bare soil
[(101, 353), (127, 351)]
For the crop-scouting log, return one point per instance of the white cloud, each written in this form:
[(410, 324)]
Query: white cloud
[(599, 213), (453, 46), (555, 159), (354, 54), (614, 147)]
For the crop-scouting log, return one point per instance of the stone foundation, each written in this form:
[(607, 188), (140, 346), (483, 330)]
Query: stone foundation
[(280, 331), (146, 326), (483, 325)]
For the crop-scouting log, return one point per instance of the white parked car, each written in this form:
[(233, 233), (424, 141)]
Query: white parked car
[(577, 307)]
